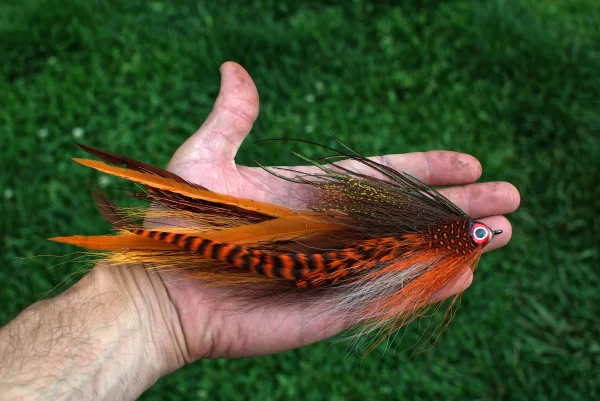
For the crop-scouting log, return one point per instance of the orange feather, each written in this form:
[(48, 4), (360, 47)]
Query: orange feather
[(169, 184)]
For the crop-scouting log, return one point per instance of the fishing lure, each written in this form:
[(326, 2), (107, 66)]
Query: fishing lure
[(374, 248)]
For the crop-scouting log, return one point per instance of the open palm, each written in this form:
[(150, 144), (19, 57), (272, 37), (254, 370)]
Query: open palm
[(209, 327)]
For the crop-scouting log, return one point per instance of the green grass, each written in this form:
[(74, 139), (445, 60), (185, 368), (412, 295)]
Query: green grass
[(515, 83)]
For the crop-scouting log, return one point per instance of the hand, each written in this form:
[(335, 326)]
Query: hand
[(210, 326), (114, 333)]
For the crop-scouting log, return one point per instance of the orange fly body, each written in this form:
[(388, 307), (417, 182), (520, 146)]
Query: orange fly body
[(375, 249)]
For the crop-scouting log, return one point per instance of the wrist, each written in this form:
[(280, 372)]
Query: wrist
[(110, 336), (138, 302)]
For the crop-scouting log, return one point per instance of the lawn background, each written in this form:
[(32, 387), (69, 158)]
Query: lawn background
[(515, 83)]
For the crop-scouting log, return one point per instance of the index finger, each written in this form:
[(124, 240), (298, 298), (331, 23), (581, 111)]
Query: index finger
[(438, 167)]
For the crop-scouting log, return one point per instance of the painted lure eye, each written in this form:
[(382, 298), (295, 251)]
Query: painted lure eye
[(481, 234)]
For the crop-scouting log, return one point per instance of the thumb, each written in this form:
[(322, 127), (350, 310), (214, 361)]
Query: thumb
[(226, 127)]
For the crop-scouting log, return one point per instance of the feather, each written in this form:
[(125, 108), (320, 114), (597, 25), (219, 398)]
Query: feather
[(116, 243), (182, 188), (284, 229), (378, 248), (135, 165)]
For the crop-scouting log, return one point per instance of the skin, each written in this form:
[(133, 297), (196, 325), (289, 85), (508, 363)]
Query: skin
[(114, 333)]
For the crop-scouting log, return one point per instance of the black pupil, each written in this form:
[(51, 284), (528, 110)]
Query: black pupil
[(480, 233)]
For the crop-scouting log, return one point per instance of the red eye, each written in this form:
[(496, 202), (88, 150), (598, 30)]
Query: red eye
[(481, 234)]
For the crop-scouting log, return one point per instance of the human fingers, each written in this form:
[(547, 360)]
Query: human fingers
[(484, 199), (433, 168), (437, 167), (450, 168)]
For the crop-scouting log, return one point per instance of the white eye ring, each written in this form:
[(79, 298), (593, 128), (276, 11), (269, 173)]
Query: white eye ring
[(478, 231)]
